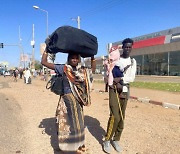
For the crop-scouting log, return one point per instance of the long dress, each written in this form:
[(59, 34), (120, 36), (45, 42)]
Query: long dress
[(69, 113)]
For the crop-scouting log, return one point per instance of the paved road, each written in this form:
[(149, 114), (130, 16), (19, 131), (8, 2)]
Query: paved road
[(155, 95), (11, 123), (28, 123), (4, 84), (149, 78), (169, 79)]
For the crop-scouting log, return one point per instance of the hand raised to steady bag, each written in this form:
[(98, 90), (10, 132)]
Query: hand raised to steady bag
[(55, 84)]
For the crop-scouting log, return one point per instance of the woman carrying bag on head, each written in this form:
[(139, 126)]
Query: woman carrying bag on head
[(69, 113)]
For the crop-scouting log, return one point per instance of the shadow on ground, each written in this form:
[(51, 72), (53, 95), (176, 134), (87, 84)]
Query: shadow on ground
[(50, 128), (93, 125)]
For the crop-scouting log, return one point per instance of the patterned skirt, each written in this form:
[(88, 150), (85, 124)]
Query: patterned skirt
[(70, 120)]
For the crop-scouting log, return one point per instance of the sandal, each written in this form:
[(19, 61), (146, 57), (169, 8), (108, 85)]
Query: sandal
[(81, 149)]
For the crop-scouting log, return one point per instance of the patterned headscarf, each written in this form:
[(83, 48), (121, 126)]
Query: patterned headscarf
[(80, 83)]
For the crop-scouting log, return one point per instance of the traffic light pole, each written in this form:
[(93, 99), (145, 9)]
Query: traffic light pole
[(1, 45)]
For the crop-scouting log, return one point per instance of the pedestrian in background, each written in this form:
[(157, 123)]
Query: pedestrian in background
[(14, 75), (118, 98), (27, 75), (35, 73), (21, 73)]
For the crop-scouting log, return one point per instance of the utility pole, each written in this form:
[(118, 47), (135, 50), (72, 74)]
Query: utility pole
[(79, 27), (33, 45), (78, 19), (168, 65), (21, 49), (1, 45)]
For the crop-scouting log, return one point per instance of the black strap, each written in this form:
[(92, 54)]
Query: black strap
[(50, 84), (128, 65)]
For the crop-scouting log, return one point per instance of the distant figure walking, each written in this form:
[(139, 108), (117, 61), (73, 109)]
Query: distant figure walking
[(27, 76), (14, 75), (21, 73)]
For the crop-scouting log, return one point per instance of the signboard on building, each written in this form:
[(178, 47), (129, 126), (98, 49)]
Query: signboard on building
[(42, 48), (24, 58)]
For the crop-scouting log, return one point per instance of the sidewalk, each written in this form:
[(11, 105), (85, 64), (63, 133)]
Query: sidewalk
[(157, 97)]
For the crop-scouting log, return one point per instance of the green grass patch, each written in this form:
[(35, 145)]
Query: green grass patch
[(172, 87)]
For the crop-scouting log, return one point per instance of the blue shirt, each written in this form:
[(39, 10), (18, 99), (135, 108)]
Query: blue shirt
[(59, 69), (117, 72)]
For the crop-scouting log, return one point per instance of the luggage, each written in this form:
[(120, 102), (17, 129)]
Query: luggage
[(29, 80), (55, 84), (68, 39)]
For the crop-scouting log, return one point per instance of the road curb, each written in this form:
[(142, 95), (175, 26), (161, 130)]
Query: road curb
[(149, 101), (172, 106)]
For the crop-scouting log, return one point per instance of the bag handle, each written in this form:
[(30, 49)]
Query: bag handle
[(49, 85)]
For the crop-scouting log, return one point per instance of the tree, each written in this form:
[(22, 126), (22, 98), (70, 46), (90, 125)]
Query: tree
[(38, 65)]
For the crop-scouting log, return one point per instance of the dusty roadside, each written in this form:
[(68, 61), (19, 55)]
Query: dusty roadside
[(148, 128)]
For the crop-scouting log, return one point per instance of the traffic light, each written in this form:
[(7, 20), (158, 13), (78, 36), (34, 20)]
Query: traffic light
[(1, 45)]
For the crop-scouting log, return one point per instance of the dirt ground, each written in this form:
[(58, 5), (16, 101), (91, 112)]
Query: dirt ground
[(27, 122)]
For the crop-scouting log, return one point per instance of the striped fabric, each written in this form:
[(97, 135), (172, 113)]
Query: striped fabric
[(70, 120), (69, 113), (80, 89)]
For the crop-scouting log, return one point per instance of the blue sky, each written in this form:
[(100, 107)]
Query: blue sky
[(108, 20)]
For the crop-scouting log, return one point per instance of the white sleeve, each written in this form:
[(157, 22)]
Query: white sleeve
[(129, 76), (120, 65)]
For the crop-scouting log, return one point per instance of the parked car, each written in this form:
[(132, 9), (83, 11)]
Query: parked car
[(7, 73)]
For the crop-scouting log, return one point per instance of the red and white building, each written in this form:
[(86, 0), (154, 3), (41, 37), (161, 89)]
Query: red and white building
[(156, 53)]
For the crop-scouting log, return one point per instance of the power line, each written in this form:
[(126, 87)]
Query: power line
[(101, 8)]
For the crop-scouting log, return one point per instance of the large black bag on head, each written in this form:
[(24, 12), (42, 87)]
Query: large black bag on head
[(68, 39)]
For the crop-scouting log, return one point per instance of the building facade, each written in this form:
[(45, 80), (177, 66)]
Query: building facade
[(157, 53), (99, 64)]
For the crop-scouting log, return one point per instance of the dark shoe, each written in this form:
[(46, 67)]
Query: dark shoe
[(116, 146), (107, 146), (82, 148)]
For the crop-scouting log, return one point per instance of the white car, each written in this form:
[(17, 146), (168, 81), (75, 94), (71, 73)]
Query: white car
[(7, 73)]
